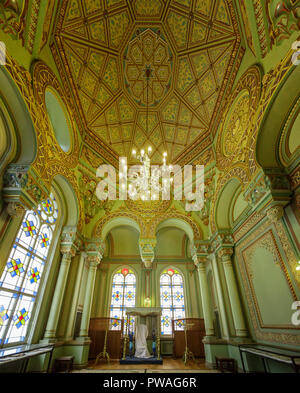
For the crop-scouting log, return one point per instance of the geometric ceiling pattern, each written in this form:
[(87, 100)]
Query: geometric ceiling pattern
[(105, 47)]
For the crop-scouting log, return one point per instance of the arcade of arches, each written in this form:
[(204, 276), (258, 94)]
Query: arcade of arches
[(223, 92)]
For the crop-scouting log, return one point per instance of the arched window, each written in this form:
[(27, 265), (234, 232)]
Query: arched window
[(171, 299), (123, 295), (21, 278)]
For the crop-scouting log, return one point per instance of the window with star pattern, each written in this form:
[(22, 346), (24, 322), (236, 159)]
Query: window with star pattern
[(123, 296), (171, 300), (24, 269)]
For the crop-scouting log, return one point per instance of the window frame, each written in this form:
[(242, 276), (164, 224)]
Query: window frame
[(165, 269), (111, 291), (32, 323)]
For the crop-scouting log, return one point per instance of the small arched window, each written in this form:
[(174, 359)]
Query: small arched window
[(171, 300), (24, 270), (123, 296)]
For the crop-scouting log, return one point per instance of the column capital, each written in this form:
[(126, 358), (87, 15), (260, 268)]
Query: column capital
[(69, 241), (15, 209), (94, 249), (199, 251), (221, 239), (94, 246), (225, 253), (93, 261), (68, 253), (200, 260), (275, 213), (201, 266), (147, 251), (21, 185)]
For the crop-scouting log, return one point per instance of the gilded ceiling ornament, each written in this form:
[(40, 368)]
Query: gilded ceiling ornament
[(234, 135), (91, 49), (275, 213), (148, 49), (90, 157), (259, 17), (147, 208), (92, 205), (246, 21), (43, 77), (12, 18), (270, 83), (284, 19)]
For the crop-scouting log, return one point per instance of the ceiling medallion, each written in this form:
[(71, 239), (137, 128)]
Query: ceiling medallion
[(148, 49)]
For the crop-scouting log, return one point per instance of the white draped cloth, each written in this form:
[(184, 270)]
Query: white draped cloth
[(141, 350)]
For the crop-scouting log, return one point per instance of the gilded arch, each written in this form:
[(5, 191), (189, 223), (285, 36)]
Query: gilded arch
[(194, 231), (99, 229)]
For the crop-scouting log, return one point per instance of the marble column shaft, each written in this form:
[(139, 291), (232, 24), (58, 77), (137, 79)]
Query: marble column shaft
[(237, 313), (206, 300)]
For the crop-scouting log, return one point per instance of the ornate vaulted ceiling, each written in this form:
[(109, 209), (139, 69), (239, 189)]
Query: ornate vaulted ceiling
[(104, 46)]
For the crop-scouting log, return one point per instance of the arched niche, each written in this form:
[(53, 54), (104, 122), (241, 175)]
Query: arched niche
[(225, 203), (23, 128), (117, 222), (69, 201), (170, 242), (177, 223), (269, 135), (123, 240)]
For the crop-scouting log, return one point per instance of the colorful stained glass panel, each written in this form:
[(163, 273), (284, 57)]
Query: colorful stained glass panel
[(171, 299), (20, 280), (123, 295)]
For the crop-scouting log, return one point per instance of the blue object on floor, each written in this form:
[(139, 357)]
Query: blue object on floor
[(133, 360)]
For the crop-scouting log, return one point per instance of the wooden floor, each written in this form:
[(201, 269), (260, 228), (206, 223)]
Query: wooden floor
[(169, 364)]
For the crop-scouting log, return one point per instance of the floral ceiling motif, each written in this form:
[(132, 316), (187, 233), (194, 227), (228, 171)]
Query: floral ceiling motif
[(147, 49), (104, 47)]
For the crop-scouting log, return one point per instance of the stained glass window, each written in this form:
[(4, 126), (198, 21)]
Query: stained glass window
[(21, 278), (123, 296), (171, 299)]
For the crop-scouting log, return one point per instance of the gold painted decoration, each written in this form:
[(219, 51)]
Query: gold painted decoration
[(234, 135), (148, 48), (101, 50), (283, 18), (144, 8)]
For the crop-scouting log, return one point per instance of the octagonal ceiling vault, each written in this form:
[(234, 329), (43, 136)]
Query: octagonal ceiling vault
[(104, 48)]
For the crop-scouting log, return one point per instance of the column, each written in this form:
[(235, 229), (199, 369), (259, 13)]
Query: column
[(205, 296), (238, 319), (94, 251), (58, 296), (222, 308), (74, 302), (93, 262)]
